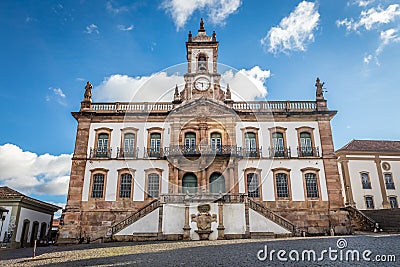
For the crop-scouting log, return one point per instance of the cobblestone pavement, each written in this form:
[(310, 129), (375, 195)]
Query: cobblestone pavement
[(216, 253)]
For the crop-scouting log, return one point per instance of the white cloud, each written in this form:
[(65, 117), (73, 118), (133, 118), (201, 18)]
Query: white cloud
[(92, 28), (56, 95), (363, 3), (125, 28), (387, 37), (295, 31), (112, 7), (218, 10), (371, 18), (245, 84), (29, 173), (156, 87), (367, 59)]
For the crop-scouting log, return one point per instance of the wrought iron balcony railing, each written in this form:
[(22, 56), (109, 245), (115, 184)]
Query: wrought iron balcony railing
[(154, 153), (307, 152), (128, 153), (100, 153), (280, 152), (201, 150), (251, 152)]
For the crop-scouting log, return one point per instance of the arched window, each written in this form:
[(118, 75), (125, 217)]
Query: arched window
[(311, 185), (217, 183), (216, 142), (102, 145), (189, 183), (43, 231), (366, 184), (153, 185), (190, 142), (202, 63), (305, 144), (282, 188), (125, 185), (129, 145), (253, 189), (98, 185)]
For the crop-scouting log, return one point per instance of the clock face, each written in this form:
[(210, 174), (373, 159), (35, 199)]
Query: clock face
[(202, 83)]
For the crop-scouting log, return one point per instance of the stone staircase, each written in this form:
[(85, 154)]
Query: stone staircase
[(388, 219), (276, 218), (359, 220), (140, 213)]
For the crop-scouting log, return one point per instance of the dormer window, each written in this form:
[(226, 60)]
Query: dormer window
[(202, 63)]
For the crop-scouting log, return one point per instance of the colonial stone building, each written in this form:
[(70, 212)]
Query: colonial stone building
[(203, 166)]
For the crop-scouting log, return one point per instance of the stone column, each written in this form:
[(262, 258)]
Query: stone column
[(382, 184), (330, 165), (160, 235), (231, 180), (221, 228), (71, 229), (186, 227), (176, 181), (347, 182), (247, 217)]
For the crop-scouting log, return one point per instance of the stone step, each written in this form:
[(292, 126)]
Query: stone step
[(262, 235)]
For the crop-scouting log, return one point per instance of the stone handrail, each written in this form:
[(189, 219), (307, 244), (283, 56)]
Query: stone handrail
[(140, 213), (253, 106), (269, 214), (366, 223), (202, 197)]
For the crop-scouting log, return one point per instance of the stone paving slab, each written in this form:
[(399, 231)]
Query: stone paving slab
[(241, 252)]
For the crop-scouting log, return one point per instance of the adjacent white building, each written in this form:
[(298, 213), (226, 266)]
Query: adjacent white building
[(370, 173)]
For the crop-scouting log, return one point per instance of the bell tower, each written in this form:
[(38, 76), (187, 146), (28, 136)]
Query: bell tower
[(202, 78)]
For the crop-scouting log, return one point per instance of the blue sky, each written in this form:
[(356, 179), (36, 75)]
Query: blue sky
[(49, 49)]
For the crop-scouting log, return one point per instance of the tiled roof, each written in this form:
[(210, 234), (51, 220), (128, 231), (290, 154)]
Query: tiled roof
[(8, 193), (372, 146), (5, 191)]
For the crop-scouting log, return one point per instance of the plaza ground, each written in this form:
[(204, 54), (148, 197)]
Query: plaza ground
[(207, 253)]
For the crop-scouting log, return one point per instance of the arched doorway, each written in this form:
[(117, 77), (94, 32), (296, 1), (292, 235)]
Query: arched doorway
[(189, 183), (34, 234), (24, 233), (217, 183), (43, 232)]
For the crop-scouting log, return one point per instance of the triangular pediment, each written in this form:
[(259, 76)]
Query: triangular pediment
[(203, 107)]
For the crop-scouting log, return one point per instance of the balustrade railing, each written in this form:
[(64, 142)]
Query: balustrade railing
[(181, 198), (201, 150), (254, 106)]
